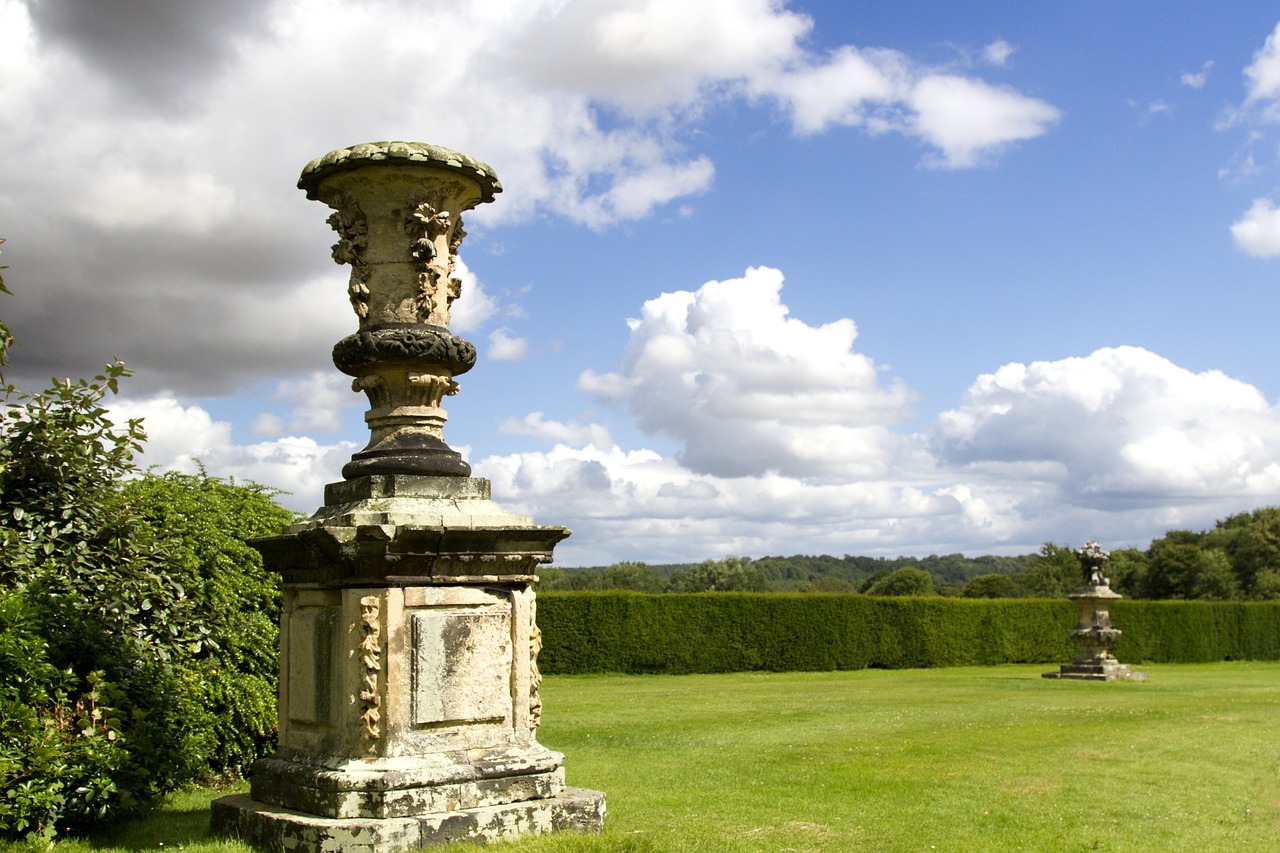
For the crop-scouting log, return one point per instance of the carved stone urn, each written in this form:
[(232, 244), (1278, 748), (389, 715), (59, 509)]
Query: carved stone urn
[(409, 687), (1094, 632), (398, 214)]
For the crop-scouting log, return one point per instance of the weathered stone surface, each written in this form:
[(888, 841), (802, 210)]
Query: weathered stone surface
[(410, 345), (1098, 670), (407, 787), (575, 809), (408, 529), (313, 638), (407, 152), (277, 829), (414, 671), (461, 665)]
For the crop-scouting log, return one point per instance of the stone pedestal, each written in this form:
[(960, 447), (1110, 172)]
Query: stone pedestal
[(409, 703), (409, 682), (1094, 631)]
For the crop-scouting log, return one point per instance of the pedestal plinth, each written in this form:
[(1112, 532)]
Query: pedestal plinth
[(409, 682)]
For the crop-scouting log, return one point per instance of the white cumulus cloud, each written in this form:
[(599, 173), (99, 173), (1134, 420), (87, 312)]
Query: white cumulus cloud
[(182, 437), (1258, 232), (998, 52), (969, 120), (965, 120), (571, 433), (503, 346), (316, 402), (1261, 105), (1262, 76), (475, 306), (744, 388), (1120, 427), (777, 456), (1197, 79), (638, 504)]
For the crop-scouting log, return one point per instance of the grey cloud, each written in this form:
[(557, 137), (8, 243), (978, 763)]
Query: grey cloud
[(201, 313), (160, 52)]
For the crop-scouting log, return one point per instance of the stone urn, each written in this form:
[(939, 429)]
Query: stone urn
[(398, 214), (1094, 632)]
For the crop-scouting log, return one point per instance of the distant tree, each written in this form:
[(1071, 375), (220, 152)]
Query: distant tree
[(732, 574), (549, 577), (640, 577), (992, 586), (1266, 585), (949, 568), (987, 564), (827, 583), (1055, 572), (1251, 542), (873, 579), (948, 589), (572, 580), (905, 581), (852, 573), (1127, 570), (1174, 563), (787, 573), (1215, 580)]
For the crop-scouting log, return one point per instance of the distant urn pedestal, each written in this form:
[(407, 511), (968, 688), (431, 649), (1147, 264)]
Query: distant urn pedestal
[(409, 686), (1094, 632)]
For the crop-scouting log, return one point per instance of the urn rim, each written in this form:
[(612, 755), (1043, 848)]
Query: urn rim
[(420, 153)]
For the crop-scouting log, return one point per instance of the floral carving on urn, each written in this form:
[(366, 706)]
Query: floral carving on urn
[(398, 215)]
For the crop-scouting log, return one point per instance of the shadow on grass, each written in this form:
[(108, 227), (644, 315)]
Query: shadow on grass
[(168, 829), (181, 823)]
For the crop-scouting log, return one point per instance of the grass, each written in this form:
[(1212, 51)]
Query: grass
[(982, 759)]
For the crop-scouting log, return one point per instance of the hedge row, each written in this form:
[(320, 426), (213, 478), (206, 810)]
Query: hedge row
[(733, 632)]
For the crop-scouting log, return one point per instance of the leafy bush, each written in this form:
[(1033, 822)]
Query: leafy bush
[(128, 660), (206, 523), (92, 625)]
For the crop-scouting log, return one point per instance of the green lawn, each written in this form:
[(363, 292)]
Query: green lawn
[(983, 759)]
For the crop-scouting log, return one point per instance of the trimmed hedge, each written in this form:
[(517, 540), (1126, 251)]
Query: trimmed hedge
[(734, 632), (1196, 631)]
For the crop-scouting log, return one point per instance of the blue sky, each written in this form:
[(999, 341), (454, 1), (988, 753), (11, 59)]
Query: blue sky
[(765, 278)]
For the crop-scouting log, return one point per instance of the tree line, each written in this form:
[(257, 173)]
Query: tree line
[(800, 573), (1237, 560)]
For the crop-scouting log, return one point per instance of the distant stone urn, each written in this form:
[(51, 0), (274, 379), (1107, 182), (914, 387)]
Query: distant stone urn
[(1094, 631)]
